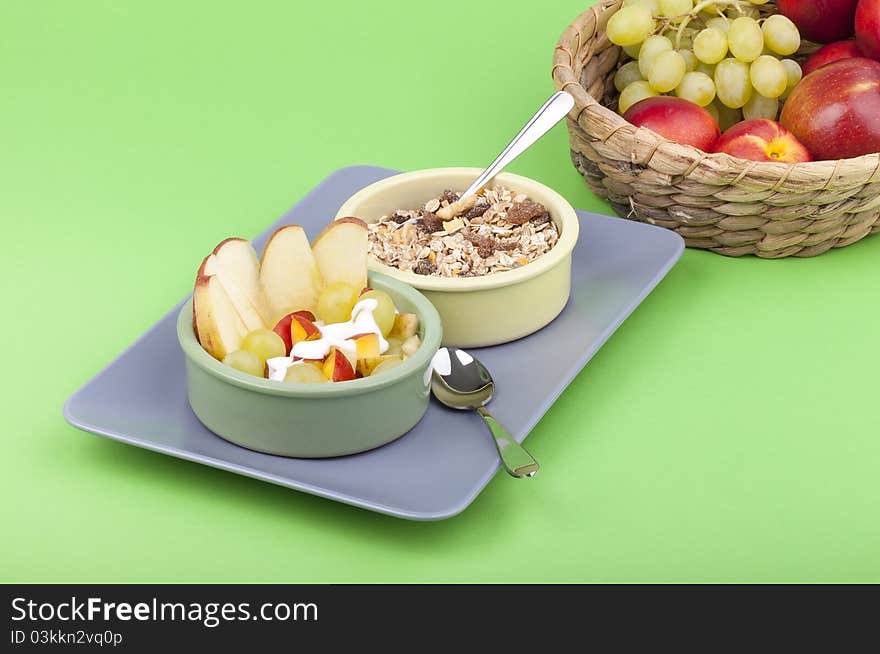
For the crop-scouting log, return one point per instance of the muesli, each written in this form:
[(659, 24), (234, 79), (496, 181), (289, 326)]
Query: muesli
[(491, 231)]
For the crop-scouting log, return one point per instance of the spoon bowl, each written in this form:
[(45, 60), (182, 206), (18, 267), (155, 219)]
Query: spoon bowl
[(461, 382)]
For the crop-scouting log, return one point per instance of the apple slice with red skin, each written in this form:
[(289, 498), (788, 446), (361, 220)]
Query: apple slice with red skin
[(282, 327), (235, 262), (830, 53), (288, 272), (341, 252), (337, 367), (218, 326), (762, 140), (366, 289)]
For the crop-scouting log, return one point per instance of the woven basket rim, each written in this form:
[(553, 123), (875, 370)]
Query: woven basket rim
[(837, 173)]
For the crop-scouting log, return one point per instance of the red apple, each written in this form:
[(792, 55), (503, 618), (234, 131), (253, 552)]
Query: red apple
[(868, 27), (831, 53), (675, 119), (835, 111), (762, 140), (822, 21), (282, 327)]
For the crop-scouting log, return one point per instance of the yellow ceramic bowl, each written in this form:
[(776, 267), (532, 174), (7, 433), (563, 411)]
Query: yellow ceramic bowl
[(488, 310)]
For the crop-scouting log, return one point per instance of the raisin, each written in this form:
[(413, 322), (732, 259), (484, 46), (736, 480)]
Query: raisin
[(449, 196), (430, 222), (540, 220), (424, 267), (485, 244), (522, 212), (396, 217), (477, 211)]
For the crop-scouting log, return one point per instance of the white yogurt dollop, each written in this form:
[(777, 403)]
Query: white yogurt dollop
[(336, 334)]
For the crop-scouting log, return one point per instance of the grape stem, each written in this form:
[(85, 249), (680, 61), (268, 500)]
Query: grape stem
[(687, 18)]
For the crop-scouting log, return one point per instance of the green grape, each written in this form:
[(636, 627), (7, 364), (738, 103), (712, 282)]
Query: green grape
[(698, 88), (632, 50), (781, 35), (745, 39), (635, 92), (769, 76), (712, 109), (759, 106), (690, 60), (626, 75), (794, 74), (687, 38), (651, 5), (732, 83), (265, 343), (667, 71), (652, 47), (710, 46), (305, 373), (630, 25), (707, 69), (673, 8), (245, 361), (335, 302), (386, 365), (384, 313), (727, 117), (719, 23)]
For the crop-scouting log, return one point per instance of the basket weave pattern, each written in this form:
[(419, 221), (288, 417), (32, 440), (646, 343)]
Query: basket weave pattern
[(728, 205)]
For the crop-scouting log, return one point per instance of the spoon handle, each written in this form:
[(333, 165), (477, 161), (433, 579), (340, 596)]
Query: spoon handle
[(554, 110), (514, 457)]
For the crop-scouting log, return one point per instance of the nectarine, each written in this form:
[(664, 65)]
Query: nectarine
[(337, 367), (762, 140), (678, 120)]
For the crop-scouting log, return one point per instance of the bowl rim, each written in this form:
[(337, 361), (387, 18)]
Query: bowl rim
[(563, 212), (428, 318)]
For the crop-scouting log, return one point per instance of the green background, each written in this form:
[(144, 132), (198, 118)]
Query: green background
[(727, 432)]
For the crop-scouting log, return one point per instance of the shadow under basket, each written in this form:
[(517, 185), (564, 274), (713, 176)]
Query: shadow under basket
[(714, 201)]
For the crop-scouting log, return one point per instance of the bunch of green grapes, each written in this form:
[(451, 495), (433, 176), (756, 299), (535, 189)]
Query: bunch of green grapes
[(719, 54)]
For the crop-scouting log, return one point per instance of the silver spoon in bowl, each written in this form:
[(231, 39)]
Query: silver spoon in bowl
[(555, 109), (461, 382)]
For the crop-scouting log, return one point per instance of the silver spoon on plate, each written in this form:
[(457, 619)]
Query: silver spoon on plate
[(461, 382), (555, 109)]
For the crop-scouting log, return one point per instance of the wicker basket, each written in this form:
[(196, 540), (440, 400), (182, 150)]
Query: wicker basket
[(721, 203)]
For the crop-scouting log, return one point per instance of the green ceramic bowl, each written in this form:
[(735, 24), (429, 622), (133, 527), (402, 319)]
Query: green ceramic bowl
[(480, 311), (320, 420)]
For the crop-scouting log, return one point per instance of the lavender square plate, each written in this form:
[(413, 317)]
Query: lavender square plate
[(437, 469)]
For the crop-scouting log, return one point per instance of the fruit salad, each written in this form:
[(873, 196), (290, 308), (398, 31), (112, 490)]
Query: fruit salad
[(303, 313)]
